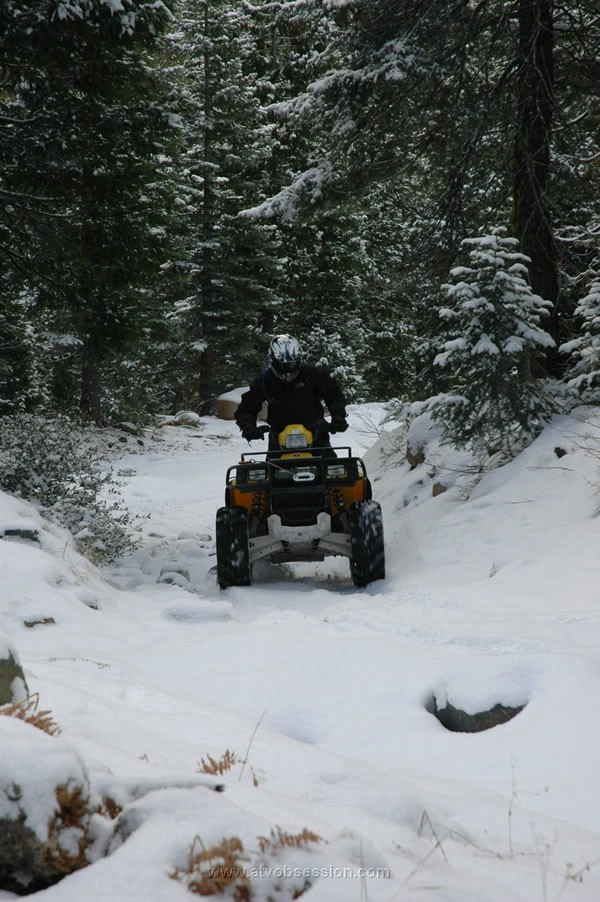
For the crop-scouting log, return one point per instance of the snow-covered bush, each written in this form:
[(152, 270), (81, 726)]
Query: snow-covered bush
[(584, 373), (492, 333), (54, 464)]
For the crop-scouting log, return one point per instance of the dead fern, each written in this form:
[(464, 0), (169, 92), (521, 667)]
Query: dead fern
[(218, 766), (213, 871), (27, 710), (73, 816), (281, 839), (224, 869), (110, 808)]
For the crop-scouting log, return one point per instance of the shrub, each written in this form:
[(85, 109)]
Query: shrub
[(584, 372), (53, 464)]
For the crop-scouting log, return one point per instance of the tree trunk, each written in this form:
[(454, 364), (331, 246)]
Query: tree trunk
[(532, 149), (206, 388)]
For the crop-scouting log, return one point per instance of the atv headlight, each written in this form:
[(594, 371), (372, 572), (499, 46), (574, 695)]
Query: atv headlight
[(336, 472), (257, 475), (296, 440)]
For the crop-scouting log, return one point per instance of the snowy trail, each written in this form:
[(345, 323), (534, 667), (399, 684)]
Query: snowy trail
[(325, 688)]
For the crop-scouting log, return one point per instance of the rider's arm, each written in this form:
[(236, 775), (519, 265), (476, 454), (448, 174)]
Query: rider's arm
[(333, 395), (250, 405)]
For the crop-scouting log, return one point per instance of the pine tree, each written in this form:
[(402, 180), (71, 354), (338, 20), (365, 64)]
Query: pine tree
[(584, 373), (229, 263), (455, 105), (17, 391), (493, 336), (87, 128), (339, 261)]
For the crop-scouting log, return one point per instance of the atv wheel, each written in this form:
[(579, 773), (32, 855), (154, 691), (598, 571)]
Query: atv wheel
[(366, 535), (233, 551)]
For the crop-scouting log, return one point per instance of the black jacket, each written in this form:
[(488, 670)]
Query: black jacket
[(299, 401)]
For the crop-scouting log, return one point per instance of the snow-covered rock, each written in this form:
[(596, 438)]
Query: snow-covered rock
[(13, 686), (45, 808)]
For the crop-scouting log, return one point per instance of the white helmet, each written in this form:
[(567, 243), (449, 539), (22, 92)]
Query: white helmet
[(285, 357)]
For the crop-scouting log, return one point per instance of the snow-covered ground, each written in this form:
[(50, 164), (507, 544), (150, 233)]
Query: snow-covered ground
[(321, 691)]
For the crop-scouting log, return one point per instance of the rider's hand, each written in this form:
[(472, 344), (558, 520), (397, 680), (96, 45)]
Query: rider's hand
[(252, 433), (339, 425)]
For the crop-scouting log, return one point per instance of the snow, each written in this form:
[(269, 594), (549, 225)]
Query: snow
[(322, 690)]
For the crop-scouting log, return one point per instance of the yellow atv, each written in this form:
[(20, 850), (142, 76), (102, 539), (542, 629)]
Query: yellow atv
[(298, 503)]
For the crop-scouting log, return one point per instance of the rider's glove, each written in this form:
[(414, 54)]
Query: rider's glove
[(338, 425), (252, 433)]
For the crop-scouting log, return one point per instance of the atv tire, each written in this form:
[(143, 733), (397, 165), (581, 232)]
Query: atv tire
[(366, 536), (233, 549)]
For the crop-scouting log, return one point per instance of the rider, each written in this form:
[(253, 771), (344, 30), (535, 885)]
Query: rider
[(294, 392)]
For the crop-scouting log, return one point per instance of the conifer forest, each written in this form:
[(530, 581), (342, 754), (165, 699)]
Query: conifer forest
[(410, 187)]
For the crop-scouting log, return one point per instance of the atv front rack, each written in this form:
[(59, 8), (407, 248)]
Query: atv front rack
[(248, 456)]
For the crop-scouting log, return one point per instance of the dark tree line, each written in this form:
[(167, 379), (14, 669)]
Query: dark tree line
[(179, 180)]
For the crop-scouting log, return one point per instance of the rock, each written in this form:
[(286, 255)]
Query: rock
[(45, 809), (13, 686), (187, 418), (414, 458), (174, 574), (438, 489), (129, 428), (458, 721), (228, 403), (421, 433), (182, 418), (42, 621), (29, 535), (226, 408)]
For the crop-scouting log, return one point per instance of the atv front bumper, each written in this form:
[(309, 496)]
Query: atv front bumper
[(299, 543)]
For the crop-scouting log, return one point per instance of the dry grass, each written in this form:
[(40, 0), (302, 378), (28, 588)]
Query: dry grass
[(27, 710), (226, 868), (213, 871), (218, 766), (280, 839)]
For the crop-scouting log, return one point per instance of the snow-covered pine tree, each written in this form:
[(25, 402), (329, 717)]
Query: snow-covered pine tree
[(86, 123), (338, 261), (229, 264), (424, 97), (492, 335), (583, 375)]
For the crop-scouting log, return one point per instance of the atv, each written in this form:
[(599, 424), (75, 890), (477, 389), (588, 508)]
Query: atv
[(298, 503)]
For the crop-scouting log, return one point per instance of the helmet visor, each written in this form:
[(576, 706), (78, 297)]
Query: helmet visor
[(286, 369)]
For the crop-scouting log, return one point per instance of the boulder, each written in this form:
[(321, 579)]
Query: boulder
[(228, 403), (458, 721), (45, 808)]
